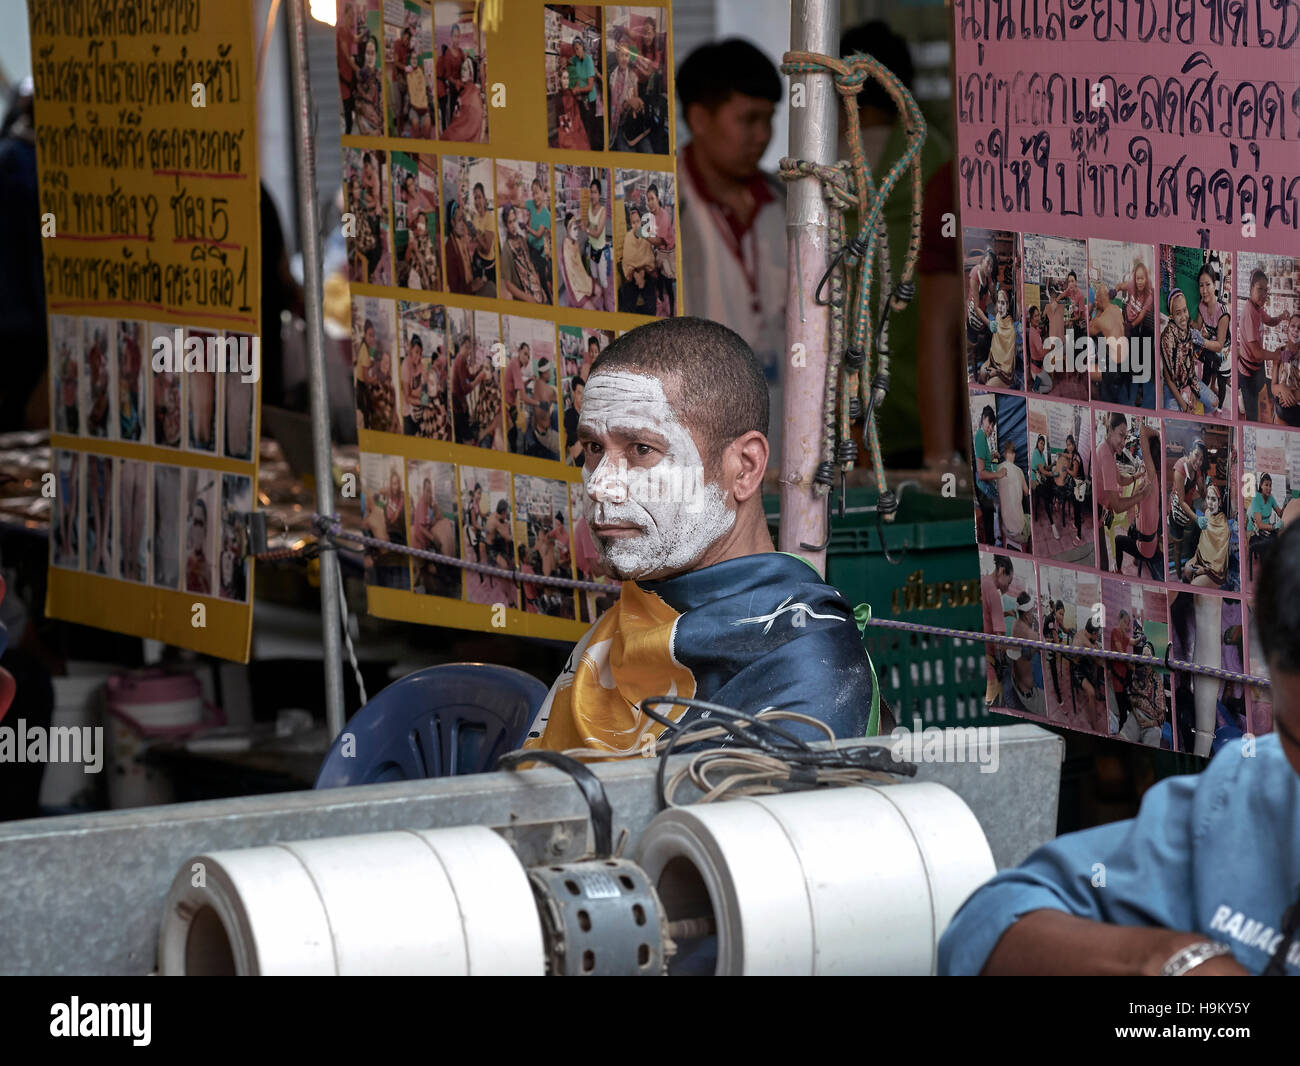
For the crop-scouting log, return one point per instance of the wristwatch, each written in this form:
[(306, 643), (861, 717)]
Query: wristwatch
[(1192, 956)]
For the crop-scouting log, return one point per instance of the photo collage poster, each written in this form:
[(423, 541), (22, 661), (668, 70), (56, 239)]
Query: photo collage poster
[(510, 205), (1132, 353), (154, 334)]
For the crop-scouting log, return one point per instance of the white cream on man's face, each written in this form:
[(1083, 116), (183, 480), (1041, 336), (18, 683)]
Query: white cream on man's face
[(672, 528)]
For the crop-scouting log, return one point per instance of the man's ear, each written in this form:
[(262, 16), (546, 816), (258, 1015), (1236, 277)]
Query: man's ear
[(697, 118), (746, 462)]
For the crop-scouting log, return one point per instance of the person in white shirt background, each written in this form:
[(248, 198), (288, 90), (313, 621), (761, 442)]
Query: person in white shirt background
[(732, 214)]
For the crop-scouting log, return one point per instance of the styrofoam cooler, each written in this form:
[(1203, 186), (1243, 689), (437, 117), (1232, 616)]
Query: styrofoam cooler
[(144, 706)]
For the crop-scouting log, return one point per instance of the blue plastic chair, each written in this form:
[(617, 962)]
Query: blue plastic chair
[(437, 722)]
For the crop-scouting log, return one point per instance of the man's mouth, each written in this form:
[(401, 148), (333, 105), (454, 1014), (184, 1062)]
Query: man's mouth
[(617, 531)]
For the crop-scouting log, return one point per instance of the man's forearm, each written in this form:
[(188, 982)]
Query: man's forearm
[(1052, 943)]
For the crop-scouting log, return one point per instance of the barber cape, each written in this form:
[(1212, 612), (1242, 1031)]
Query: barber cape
[(749, 633)]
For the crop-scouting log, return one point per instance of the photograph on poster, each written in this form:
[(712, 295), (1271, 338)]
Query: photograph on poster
[(1127, 492), (579, 347), (488, 534), (471, 251), (1208, 712), (542, 540), (994, 351), (524, 218), (99, 515), (408, 58), (239, 411), (431, 487), (1201, 495), (168, 411), (424, 371), (1259, 705), (1136, 621), (65, 363), (374, 364), (416, 211), (575, 91), (1055, 314), (365, 181), (1008, 597), (383, 516), (166, 526), (1060, 467), (1122, 323), (586, 561), (636, 47), (476, 385), (98, 396), (1268, 338), (200, 521), (1073, 618), (475, 380), (131, 369), (201, 395), (529, 393), (461, 65), (65, 512), (1270, 490), (646, 240), (357, 40), (233, 562), (133, 482), (583, 229), (1001, 467), (1196, 332)]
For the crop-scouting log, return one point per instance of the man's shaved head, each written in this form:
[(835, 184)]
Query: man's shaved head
[(710, 376)]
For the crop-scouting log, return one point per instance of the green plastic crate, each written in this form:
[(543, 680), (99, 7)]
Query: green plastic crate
[(935, 581)]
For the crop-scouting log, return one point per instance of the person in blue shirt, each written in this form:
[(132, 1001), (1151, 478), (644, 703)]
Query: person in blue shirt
[(1259, 519), (583, 82), (1205, 880)]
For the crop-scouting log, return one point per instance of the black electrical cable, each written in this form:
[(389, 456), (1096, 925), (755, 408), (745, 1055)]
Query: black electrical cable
[(727, 712), (803, 760), (592, 788)]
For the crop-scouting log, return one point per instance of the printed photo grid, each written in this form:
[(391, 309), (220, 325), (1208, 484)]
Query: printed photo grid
[(513, 522), (172, 527), (1135, 426)]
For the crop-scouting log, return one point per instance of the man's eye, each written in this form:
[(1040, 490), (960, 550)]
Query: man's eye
[(642, 449), (591, 447)]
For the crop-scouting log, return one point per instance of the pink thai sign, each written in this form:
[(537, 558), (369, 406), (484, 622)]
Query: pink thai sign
[(1172, 121)]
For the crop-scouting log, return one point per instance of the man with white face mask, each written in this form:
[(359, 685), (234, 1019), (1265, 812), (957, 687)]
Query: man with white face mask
[(673, 432)]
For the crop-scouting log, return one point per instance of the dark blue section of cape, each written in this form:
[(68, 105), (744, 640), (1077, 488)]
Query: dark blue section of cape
[(818, 668)]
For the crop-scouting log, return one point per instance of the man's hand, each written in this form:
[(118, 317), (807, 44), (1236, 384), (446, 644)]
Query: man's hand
[(1053, 943)]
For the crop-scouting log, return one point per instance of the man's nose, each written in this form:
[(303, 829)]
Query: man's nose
[(608, 482)]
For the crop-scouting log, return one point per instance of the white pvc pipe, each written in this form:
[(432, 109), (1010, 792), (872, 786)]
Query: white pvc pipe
[(856, 880), (416, 902), (1209, 652)]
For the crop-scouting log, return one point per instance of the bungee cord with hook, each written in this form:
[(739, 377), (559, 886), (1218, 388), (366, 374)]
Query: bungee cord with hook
[(853, 392)]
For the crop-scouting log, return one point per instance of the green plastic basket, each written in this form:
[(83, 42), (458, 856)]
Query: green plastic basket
[(934, 580)]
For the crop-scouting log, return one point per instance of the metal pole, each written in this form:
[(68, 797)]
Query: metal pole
[(308, 224), (814, 27)]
